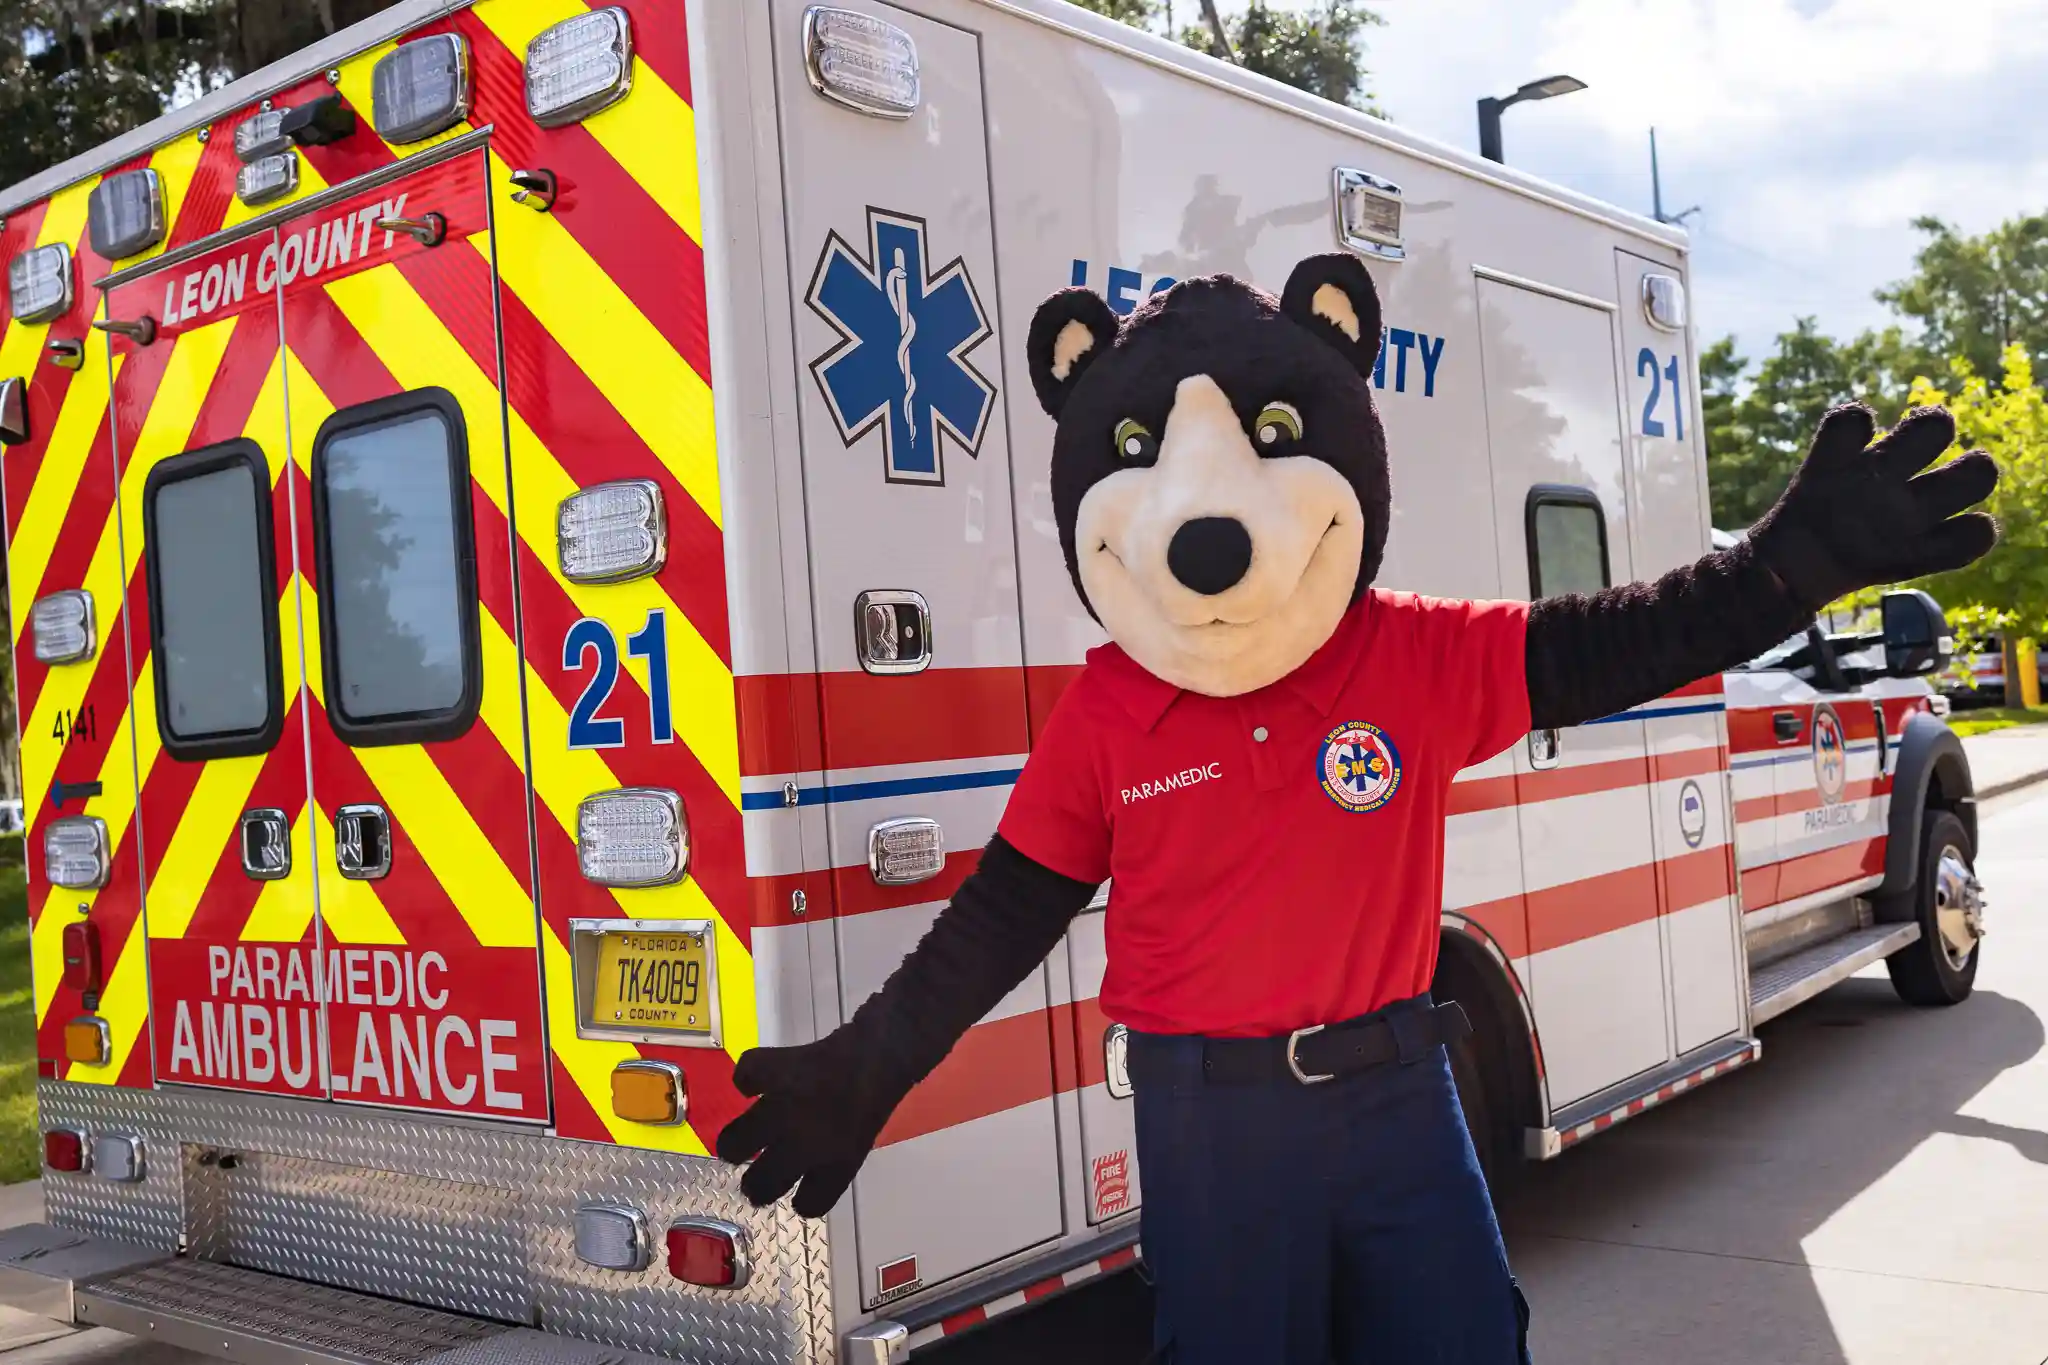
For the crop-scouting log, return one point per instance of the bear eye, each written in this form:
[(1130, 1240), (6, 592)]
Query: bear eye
[(1278, 427), (1135, 444)]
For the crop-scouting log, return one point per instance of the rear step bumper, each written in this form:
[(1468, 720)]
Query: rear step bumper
[(259, 1319)]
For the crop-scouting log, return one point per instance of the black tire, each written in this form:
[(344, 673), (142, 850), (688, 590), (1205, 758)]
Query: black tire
[(1930, 971)]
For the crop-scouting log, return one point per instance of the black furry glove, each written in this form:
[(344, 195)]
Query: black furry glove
[(823, 1104), (1852, 517), (1855, 515)]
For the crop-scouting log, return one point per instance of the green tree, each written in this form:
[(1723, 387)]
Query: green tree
[(1756, 436), (1975, 296), (2008, 588), (1321, 51)]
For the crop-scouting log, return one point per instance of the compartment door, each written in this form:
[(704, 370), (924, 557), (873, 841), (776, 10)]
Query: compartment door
[(1686, 733), (218, 705), (422, 854), (907, 490), (1596, 954)]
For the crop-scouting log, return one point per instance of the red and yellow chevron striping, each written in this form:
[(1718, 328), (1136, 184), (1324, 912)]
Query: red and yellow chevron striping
[(598, 311)]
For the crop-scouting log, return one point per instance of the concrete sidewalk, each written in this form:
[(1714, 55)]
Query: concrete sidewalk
[(2006, 760)]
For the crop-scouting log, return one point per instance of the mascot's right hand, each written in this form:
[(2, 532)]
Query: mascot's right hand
[(1856, 515), (821, 1107)]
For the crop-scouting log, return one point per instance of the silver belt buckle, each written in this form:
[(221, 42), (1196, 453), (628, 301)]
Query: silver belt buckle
[(1294, 1065)]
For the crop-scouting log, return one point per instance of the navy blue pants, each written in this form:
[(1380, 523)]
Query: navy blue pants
[(1343, 1222)]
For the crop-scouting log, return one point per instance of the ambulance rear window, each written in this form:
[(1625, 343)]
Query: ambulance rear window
[(212, 568), (397, 565), (1567, 541)]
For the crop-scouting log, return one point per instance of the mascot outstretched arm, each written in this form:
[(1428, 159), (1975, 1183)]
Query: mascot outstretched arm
[(1220, 481)]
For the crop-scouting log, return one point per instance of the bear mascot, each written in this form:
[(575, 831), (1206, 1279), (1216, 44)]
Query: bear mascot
[(1260, 762)]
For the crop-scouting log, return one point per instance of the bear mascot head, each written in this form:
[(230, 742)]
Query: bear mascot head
[(1219, 475)]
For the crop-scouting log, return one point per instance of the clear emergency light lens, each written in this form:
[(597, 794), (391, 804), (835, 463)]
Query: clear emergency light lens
[(75, 852), (39, 283), (1369, 214), (268, 178), (261, 135), (578, 67), (117, 1156), (62, 627), (634, 836), (861, 62), (125, 215), (612, 1237), (905, 851), (1664, 302), (421, 88), (611, 532)]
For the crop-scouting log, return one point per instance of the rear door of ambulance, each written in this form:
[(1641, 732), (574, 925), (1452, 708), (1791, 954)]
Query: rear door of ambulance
[(916, 615), (387, 911)]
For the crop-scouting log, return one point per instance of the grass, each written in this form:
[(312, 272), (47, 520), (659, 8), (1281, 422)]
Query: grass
[(1976, 722), (20, 1157)]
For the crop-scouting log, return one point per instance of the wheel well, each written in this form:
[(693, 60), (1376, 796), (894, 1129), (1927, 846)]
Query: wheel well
[(1949, 788), (1468, 974)]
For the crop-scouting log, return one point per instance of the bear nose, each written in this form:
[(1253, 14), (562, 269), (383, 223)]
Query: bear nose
[(1210, 554)]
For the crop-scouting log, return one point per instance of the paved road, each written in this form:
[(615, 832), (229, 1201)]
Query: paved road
[(1875, 1193)]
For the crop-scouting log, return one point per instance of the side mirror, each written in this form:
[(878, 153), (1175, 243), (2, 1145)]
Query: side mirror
[(1917, 639)]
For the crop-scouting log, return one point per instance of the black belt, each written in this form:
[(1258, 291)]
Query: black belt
[(1325, 1052)]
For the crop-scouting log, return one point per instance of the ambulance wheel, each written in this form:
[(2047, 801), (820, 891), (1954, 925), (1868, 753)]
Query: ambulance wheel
[(1940, 968)]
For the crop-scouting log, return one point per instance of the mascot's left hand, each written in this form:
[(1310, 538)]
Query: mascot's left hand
[(1856, 515)]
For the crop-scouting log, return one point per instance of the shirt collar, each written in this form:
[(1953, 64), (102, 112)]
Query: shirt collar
[(1319, 681)]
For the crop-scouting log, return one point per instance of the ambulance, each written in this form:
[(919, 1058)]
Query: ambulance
[(533, 573)]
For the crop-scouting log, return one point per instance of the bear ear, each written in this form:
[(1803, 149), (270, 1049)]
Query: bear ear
[(1069, 333), (1333, 297)]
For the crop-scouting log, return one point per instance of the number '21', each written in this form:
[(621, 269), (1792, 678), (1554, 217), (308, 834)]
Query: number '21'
[(1646, 361), (587, 728)]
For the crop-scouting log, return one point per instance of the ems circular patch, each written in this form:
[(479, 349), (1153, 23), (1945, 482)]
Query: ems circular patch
[(1359, 766)]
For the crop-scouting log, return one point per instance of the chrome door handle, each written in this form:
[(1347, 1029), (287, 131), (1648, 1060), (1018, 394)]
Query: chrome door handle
[(362, 842), (1546, 747), (428, 229), (266, 844)]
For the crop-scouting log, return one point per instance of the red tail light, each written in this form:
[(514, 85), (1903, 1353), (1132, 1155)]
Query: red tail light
[(64, 1149), (82, 956), (709, 1252)]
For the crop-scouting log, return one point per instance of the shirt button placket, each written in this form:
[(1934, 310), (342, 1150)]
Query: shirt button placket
[(1266, 774)]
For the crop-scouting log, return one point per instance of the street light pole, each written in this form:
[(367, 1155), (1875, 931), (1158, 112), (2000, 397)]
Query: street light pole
[(1490, 108)]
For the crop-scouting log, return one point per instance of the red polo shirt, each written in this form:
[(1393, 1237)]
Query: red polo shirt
[(1277, 857)]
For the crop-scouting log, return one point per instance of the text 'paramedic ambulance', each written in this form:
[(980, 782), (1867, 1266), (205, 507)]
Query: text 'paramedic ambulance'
[(534, 575)]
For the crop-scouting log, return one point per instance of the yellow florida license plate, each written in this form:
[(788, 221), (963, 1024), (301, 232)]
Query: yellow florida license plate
[(656, 980)]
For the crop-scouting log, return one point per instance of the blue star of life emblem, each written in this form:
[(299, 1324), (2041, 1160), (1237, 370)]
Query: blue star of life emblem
[(901, 360)]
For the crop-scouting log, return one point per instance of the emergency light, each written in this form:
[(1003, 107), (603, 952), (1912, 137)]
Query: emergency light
[(578, 67), (633, 836), (61, 625), (611, 532), (649, 1091), (267, 178), (75, 852), (117, 1156), (39, 283), (87, 1041), (709, 1252), (125, 215), (421, 88), (906, 850), (1369, 214), (612, 1237), (861, 62), (261, 135), (1664, 302), (64, 1149)]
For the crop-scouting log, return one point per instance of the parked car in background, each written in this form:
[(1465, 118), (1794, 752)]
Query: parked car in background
[(1976, 676)]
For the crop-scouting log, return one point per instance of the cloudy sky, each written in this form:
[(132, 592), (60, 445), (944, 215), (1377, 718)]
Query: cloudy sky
[(1810, 132)]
